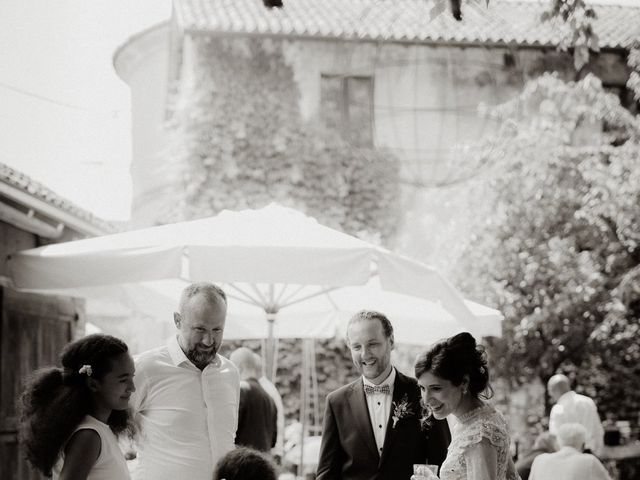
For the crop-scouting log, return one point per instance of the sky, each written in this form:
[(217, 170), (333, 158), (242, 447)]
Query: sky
[(64, 113)]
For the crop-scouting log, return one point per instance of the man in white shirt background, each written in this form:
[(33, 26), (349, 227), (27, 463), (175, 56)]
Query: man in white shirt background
[(572, 407), (187, 395)]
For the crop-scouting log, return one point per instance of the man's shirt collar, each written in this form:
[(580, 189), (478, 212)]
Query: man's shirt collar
[(566, 396), (178, 357), (391, 378)]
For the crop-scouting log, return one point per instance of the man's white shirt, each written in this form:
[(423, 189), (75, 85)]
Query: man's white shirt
[(188, 417), (572, 407), (379, 405)]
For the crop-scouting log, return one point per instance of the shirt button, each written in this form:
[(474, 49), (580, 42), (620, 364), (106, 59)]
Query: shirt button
[(378, 403), (379, 426)]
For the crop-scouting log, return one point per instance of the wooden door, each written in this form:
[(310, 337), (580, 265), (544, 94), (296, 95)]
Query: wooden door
[(33, 330)]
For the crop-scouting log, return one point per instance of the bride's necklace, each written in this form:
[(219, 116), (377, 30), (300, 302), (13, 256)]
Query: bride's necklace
[(470, 412)]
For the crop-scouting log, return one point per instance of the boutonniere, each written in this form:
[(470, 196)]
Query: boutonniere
[(401, 410)]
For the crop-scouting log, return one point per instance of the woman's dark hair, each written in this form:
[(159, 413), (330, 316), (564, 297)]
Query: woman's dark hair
[(245, 464), (56, 400), (455, 357)]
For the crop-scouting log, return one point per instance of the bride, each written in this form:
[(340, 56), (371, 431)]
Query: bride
[(453, 379)]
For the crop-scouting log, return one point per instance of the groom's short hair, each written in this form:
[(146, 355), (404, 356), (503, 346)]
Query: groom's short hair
[(387, 328)]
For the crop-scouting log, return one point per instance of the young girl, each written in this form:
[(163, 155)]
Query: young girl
[(72, 415)]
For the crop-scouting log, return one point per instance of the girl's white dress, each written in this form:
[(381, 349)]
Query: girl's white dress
[(479, 435), (111, 464)]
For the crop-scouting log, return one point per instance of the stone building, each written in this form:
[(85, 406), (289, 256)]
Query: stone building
[(383, 72)]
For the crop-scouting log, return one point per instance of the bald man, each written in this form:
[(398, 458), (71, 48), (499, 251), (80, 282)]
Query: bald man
[(186, 398), (257, 416), (571, 407)]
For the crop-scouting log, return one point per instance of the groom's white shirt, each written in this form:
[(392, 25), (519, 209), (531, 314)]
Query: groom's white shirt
[(188, 417), (379, 405)]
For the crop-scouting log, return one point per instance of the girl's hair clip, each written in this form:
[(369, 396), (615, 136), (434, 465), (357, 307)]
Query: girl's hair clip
[(86, 369)]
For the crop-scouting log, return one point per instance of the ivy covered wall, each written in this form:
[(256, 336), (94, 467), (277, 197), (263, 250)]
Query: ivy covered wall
[(238, 140)]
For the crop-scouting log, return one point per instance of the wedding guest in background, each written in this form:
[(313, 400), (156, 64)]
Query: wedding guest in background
[(569, 463), (372, 427), (187, 395), (271, 389), (258, 415), (544, 443), (245, 464), (454, 380), (572, 407), (72, 415)]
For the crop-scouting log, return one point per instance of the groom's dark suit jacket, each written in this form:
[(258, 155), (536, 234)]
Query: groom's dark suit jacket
[(349, 451)]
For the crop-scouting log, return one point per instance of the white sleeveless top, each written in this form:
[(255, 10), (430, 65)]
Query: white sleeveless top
[(110, 464)]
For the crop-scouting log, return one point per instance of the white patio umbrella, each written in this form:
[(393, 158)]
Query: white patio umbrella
[(304, 278), (273, 258), (417, 321)]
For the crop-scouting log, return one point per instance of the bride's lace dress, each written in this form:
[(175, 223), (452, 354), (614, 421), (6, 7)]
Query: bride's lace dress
[(478, 431)]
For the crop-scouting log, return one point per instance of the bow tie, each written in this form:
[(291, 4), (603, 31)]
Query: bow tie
[(370, 390)]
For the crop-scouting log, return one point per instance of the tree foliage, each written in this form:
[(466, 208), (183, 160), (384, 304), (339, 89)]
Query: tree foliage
[(581, 36), (334, 369), (634, 77), (558, 247)]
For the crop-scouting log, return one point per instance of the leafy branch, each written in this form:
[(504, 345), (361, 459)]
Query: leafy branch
[(581, 35)]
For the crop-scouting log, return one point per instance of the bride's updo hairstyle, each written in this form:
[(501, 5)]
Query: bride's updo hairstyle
[(455, 357)]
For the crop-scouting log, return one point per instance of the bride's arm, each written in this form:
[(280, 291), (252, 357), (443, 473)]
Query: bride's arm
[(482, 461)]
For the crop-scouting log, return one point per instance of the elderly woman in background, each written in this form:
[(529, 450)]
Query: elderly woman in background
[(454, 378), (569, 462), (544, 443)]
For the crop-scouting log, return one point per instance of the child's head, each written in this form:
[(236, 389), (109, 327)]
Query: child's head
[(245, 464), (102, 364), (96, 376)]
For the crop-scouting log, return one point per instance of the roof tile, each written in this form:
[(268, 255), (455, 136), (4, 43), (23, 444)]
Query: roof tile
[(25, 183), (503, 22)]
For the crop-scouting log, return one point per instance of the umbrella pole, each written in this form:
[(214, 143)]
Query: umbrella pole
[(270, 360), (276, 350), (314, 386), (303, 403)]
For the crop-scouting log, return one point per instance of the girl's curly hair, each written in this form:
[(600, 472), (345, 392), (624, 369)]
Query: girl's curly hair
[(55, 400)]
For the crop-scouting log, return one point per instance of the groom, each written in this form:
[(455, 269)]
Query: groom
[(372, 426)]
